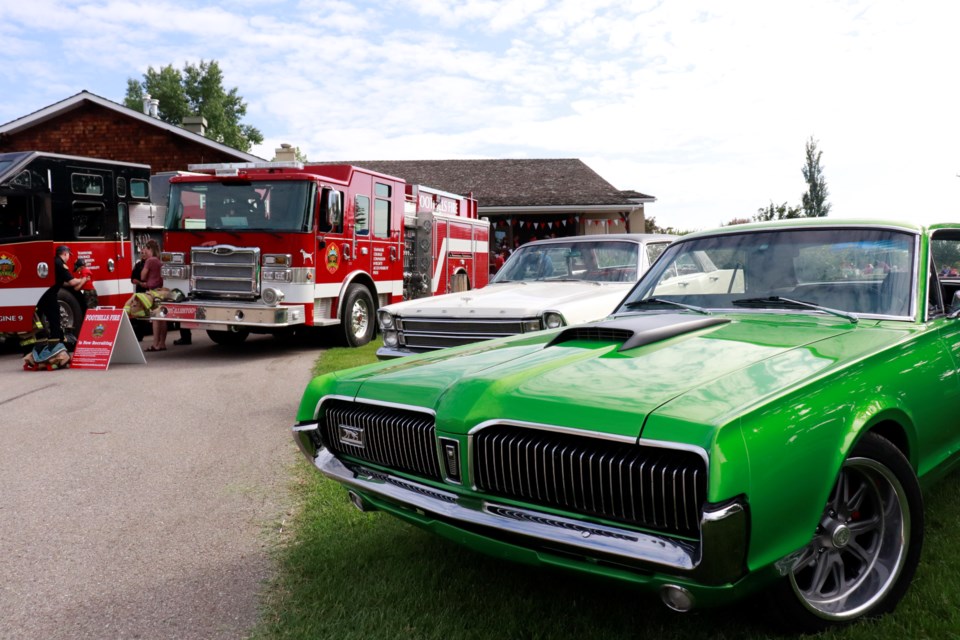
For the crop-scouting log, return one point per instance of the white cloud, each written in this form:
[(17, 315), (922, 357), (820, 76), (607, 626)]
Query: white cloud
[(706, 106)]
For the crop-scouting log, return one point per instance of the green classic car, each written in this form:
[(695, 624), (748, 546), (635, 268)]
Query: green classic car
[(760, 412)]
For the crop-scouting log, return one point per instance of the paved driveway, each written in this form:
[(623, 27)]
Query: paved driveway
[(142, 502)]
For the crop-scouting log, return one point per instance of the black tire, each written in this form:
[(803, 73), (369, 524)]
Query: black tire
[(866, 548), (71, 313), (357, 320), (229, 337)]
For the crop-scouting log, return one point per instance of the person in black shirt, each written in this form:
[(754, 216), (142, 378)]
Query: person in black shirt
[(48, 306)]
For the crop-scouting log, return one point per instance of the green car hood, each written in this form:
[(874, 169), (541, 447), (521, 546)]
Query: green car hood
[(590, 378)]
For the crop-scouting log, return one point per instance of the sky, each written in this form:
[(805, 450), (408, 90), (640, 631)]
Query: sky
[(706, 106)]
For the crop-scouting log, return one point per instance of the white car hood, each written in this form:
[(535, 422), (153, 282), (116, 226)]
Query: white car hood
[(578, 301)]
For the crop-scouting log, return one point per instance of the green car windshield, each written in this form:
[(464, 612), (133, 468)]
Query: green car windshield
[(858, 271)]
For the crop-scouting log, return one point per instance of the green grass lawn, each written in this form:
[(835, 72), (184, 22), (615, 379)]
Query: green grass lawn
[(349, 575)]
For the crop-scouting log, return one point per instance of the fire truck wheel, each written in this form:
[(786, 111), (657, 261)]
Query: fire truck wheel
[(229, 337), (70, 312), (358, 316)]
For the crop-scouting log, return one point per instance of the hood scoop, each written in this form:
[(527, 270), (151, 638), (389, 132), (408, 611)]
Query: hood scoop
[(637, 331)]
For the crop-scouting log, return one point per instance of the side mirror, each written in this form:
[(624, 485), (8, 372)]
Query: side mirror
[(334, 209)]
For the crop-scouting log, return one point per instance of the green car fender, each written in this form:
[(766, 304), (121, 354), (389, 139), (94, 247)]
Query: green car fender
[(782, 449)]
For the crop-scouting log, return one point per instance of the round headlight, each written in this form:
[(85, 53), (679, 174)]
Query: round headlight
[(390, 338), (552, 320), (386, 320)]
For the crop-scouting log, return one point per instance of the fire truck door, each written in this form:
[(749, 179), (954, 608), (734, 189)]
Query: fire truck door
[(362, 232), (100, 222), (335, 250)]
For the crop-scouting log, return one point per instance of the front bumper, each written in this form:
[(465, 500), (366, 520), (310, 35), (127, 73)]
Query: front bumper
[(213, 315), (389, 353), (717, 559)]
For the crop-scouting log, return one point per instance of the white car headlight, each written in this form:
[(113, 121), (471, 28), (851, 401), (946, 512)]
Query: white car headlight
[(553, 320), (386, 320), (391, 338)]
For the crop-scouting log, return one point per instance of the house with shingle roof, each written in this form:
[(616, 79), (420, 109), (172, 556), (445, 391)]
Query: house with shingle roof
[(87, 125), (522, 198), (529, 198)]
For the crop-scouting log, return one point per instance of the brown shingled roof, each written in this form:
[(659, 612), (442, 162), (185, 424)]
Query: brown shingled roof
[(511, 183)]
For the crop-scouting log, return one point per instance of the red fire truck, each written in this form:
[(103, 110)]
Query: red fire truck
[(274, 246), (49, 199)]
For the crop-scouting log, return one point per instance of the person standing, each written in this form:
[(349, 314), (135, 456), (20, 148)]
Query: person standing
[(151, 278), (136, 277), (87, 291), (49, 306)]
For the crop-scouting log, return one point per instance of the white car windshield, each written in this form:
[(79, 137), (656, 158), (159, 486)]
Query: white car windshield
[(592, 261)]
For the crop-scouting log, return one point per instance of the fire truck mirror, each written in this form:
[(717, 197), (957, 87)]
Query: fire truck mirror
[(334, 211)]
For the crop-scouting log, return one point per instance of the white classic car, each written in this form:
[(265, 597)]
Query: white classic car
[(545, 284)]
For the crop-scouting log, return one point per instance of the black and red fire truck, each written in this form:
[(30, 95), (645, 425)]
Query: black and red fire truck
[(274, 246), (48, 199)]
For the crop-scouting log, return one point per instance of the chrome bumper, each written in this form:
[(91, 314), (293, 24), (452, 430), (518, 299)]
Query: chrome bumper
[(220, 314), (718, 558), (389, 353)]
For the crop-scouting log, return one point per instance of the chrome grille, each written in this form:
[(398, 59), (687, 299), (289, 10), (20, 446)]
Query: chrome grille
[(225, 272), (387, 436), (439, 333), (649, 487)]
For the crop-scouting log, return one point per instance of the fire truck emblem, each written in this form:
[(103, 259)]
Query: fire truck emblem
[(9, 267), (333, 258), (307, 257)]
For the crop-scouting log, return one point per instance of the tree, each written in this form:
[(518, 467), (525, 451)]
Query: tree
[(198, 90), (815, 203), (777, 212), (650, 226)]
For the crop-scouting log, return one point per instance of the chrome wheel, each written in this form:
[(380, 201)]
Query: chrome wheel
[(357, 318), (360, 317), (860, 546)]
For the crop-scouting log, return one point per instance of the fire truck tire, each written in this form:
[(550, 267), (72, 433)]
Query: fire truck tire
[(358, 316), (70, 312), (227, 338)]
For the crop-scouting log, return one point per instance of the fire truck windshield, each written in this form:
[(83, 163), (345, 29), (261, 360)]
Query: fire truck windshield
[(258, 205)]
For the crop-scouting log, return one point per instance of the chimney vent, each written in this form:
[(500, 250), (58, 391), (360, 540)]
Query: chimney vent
[(146, 104), (154, 108), (195, 124), (286, 153)]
